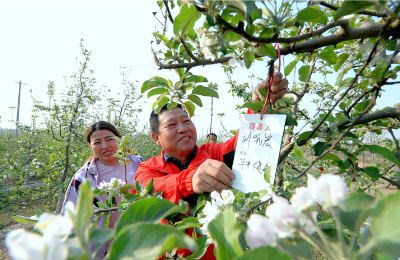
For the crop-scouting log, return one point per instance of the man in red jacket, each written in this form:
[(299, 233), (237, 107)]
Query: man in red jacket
[(184, 170)]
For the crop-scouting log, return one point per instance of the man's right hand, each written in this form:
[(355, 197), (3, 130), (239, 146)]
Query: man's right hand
[(211, 176)]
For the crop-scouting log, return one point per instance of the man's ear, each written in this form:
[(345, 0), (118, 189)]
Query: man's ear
[(156, 138)]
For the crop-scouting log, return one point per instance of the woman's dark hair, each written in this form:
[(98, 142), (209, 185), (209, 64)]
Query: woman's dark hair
[(101, 125)]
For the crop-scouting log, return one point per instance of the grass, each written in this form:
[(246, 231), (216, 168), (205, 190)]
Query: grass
[(26, 209)]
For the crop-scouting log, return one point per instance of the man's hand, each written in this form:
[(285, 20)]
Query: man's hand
[(211, 176), (278, 88)]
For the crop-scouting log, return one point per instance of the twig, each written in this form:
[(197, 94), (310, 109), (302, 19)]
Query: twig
[(351, 86), (369, 185), (343, 135), (389, 129), (105, 210)]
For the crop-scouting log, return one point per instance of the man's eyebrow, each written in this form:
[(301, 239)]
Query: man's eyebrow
[(109, 136)]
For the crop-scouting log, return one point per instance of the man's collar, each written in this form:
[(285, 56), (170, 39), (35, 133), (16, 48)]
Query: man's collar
[(177, 163)]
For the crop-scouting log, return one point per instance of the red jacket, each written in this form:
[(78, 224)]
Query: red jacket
[(178, 184)]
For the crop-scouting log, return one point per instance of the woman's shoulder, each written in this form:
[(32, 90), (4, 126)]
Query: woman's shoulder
[(136, 158)]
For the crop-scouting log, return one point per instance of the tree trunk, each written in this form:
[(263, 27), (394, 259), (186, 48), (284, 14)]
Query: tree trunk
[(64, 175)]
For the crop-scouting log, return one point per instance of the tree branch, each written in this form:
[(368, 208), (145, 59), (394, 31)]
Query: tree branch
[(379, 114), (351, 86), (343, 135)]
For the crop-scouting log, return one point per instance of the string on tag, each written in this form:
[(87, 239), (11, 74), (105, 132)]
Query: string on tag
[(270, 80)]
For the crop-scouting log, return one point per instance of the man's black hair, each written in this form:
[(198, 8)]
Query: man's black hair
[(154, 118), (212, 134)]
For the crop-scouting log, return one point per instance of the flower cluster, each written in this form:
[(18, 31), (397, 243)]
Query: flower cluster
[(50, 245), (213, 208), (109, 185), (284, 220)]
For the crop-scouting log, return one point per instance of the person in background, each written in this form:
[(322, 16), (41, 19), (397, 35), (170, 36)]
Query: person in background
[(102, 166), (212, 138)]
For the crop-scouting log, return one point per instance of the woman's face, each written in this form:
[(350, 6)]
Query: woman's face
[(104, 146)]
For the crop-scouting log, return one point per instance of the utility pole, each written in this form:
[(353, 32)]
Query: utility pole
[(19, 101)]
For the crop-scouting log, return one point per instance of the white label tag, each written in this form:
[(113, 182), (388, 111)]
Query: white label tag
[(258, 147)]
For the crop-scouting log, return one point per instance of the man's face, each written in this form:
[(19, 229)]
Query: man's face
[(212, 139), (177, 133)]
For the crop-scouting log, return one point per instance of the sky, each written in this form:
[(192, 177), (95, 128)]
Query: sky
[(40, 43)]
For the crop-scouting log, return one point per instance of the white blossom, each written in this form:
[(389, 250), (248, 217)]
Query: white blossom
[(23, 245), (15, 163), (283, 217), (11, 167), (337, 96), (260, 232), (326, 95), (329, 190), (233, 60), (302, 200), (211, 211), (225, 198)]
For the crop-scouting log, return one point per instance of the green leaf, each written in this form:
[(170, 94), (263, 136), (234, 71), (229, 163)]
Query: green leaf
[(195, 78), (351, 7), (187, 223), (172, 105), (305, 135), (22, 219), (297, 247), (247, 7), (385, 229), (195, 99), (330, 156), (150, 189), (311, 14), (231, 36), (262, 93), (38, 212), (384, 152), (153, 82), (254, 105), (304, 72), (149, 210), (143, 241), (100, 236), (202, 247), (320, 147), (248, 57), (190, 108), (264, 252), (84, 205), (205, 91), (267, 174), (288, 99), (288, 69), (163, 38), (355, 214), (372, 172), (340, 60), (328, 55), (267, 50), (224, 231), (186, 19), (299, 153), (159, 104), (156, 91)]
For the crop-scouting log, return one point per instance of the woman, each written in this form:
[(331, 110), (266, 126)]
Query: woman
[(102, 166)]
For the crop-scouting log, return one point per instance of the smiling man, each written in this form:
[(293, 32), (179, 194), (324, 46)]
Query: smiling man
[(184, 170)]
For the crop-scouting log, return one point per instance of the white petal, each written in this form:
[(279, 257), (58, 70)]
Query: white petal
[(23, 245)]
